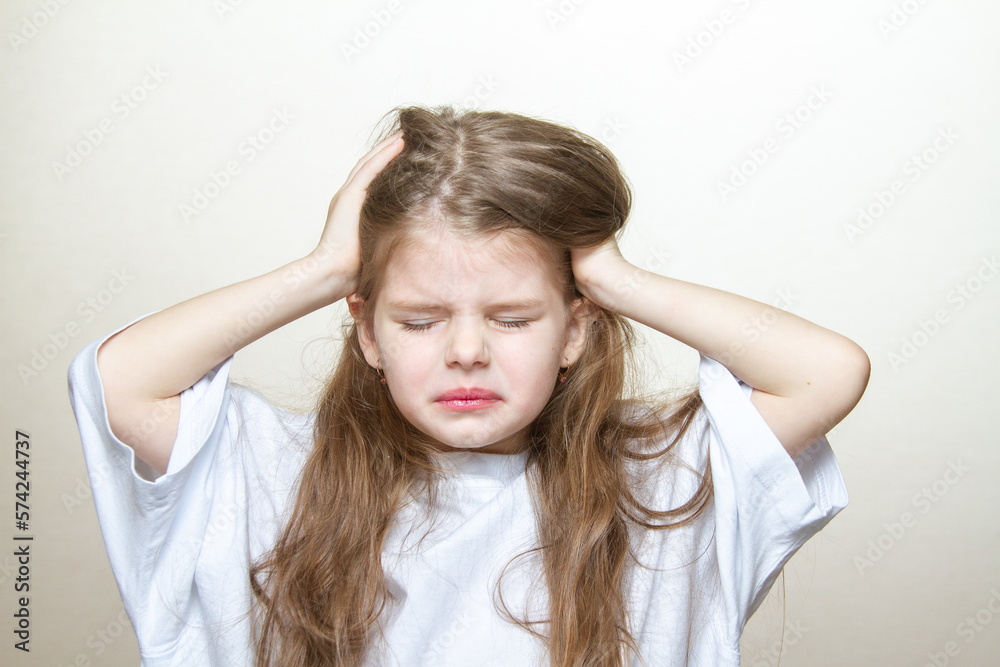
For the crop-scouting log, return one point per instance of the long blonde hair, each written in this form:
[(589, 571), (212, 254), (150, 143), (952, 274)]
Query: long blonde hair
[(484, 172)]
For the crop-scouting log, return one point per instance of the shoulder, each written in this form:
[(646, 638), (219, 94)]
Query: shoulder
[(669, 463), (268, 429), (251, 405)]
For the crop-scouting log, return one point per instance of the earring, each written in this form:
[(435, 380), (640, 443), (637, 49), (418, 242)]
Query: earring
[(562, 374), (381, 375)]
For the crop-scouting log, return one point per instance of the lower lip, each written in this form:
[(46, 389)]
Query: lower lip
[(475, 404)]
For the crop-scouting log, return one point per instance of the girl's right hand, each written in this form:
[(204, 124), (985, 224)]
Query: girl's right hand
[(143, 379), (339, 248)]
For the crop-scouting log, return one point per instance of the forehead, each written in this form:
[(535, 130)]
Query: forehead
[(438, 266)]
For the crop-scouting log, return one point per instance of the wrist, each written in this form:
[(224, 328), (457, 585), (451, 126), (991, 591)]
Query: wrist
[(611, 282), (327, 281)]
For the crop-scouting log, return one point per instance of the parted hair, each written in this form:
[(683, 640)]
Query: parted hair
[(319, 593)]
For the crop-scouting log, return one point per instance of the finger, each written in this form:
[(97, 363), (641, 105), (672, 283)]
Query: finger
[(354, 190), (388, 141), (374, 151), (377, 162)]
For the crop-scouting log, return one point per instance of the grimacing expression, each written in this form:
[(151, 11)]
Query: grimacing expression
[(457, 314)]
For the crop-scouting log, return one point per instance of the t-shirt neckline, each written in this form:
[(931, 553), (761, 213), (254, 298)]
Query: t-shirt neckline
[(483, 465)]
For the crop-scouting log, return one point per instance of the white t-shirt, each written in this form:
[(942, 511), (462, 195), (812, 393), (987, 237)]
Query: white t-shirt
[(180, 544)]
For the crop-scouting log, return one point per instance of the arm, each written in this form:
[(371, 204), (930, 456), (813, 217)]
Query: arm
[(806, 378), (146, 366)]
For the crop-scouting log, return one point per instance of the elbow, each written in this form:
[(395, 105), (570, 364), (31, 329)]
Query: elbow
[(853, 371), (860, 368), (844, 386)]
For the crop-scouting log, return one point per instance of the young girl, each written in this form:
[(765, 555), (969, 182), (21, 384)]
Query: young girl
[(481, 483)]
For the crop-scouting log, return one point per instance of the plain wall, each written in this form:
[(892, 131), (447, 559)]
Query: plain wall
[(824, 109)]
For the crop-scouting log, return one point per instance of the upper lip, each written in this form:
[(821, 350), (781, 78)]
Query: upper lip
[(469, 394)]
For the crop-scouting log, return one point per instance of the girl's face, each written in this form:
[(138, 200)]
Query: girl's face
[(456, 315)]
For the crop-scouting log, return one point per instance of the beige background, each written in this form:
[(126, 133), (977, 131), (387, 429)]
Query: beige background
[(898, 578)]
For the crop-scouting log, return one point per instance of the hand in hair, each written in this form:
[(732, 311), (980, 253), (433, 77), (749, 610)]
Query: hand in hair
[(339, 246), (807, 378), (145, 367), (590, 264)]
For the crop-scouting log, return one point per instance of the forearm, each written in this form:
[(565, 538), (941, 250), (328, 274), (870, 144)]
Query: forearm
[(167, 352), (768, 348)]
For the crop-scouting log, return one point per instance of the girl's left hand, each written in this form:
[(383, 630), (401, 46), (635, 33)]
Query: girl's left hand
[(595, 266)]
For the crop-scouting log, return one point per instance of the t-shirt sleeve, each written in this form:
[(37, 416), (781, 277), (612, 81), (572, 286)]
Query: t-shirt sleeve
[(167, 535), (767, 504), (136, 506)]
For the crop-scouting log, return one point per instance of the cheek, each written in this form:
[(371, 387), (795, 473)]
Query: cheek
[(532, 359), (414, 361), (402, 352)]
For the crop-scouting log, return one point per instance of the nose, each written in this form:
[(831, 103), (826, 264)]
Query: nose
[(466, 343)]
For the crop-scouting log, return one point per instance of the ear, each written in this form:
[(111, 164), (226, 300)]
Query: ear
[(582, 312), (366, 337)]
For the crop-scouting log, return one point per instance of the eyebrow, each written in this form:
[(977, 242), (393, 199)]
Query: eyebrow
[(522, 304)]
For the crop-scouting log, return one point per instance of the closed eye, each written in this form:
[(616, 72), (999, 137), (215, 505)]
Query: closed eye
[(513, 324), (415, 327), (509, 324)]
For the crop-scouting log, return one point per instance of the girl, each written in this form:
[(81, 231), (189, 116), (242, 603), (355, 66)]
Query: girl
[(481, 483)]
